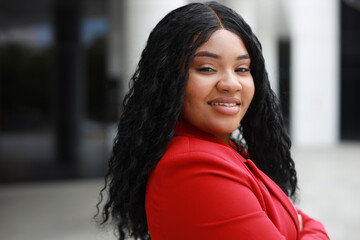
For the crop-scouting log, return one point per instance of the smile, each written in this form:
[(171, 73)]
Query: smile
[(223, 104), (225, 108)]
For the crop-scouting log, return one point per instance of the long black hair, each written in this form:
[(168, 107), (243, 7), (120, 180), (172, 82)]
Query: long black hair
[(153, 104)]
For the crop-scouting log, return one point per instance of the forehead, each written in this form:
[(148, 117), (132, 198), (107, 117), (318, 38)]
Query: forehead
[(225, 41)]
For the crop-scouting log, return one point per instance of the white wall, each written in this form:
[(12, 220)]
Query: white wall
[(315, 72)]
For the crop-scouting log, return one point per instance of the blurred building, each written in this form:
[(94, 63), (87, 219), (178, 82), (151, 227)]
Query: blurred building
[(53, 89), (65, 65), (312, 55)]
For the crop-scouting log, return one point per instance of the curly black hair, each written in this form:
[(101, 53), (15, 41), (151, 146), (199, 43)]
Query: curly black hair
[(153, 104)]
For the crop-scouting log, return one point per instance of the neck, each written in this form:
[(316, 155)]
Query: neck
[(224, 137)]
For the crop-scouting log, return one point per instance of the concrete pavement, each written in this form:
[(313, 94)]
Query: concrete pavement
[(329, 180)]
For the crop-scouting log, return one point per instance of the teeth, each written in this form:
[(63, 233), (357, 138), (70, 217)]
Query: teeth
[(224, 104)]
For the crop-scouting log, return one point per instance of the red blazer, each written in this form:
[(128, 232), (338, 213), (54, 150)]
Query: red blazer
[(203, 189)]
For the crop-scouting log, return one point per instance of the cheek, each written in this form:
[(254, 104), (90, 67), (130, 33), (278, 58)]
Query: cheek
[(192, 94), (250, 90), (189, 100)]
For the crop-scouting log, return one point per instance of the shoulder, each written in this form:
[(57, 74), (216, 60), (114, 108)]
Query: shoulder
[(190, 165), (188, 156), (182, 146), (202, 183)]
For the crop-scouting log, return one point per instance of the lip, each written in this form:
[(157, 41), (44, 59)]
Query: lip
[(225, 109), (225, 100)]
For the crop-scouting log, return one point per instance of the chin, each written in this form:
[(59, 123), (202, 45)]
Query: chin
[(227, 127), (225, 130)]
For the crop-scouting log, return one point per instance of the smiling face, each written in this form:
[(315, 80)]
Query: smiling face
[(220, 86)]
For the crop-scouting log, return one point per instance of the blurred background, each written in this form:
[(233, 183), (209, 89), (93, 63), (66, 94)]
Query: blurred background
[(64, 69)]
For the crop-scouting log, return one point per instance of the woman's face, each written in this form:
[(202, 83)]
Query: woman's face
[(220, 86)]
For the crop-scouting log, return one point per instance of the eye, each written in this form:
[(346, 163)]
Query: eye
[(206, 69), (242, 70)]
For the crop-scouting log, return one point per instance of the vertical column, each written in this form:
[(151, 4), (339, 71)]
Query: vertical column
[(268, 34), (116, 60), (315, 71), (69, 83)]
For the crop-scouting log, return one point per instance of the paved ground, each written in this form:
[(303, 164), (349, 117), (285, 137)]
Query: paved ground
[(330, 188), (329, 182)]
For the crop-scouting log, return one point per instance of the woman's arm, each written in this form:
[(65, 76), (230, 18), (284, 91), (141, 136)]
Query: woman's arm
[(311, 228)]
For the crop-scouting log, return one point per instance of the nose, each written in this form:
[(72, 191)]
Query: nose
[(229, 82)]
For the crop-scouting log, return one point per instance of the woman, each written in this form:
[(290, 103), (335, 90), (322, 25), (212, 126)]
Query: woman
[(175, 172)]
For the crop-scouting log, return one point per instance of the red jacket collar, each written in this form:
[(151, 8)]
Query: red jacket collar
[(184, 128)]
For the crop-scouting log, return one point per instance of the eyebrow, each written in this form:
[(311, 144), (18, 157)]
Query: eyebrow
[(207, 54), (245, 56), (213, 55)]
